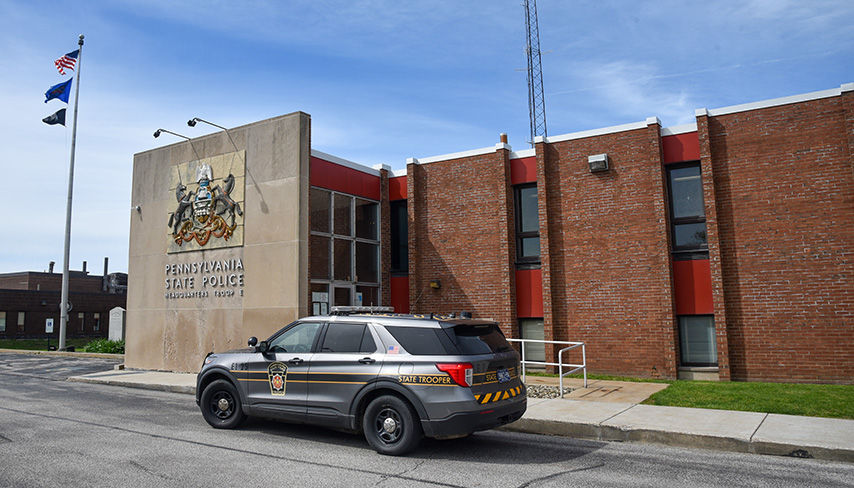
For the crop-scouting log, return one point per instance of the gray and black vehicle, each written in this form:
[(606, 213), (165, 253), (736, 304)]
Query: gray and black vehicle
[(393, 377)]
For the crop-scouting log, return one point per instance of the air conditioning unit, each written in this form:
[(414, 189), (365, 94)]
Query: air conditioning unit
[(598, 163)]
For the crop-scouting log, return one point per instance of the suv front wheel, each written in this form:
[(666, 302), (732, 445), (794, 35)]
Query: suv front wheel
[(220, 405), (391, 426)]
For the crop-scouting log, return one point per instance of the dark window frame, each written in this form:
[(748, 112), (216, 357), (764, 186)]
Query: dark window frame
[(399, 250), (517, 207), (682, 363), (682, 252)]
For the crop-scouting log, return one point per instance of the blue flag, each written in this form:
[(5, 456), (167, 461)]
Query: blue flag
[(59, 91)]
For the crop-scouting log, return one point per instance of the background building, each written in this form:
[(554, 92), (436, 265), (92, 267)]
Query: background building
[(29, 298), (717, 249)]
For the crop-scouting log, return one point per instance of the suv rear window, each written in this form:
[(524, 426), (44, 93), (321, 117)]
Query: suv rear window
[(478, 339), (452, 339), (422, 341)]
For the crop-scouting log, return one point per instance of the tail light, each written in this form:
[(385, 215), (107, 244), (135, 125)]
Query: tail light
[(461, 373)]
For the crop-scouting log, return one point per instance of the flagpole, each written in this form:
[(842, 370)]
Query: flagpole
[(63, 314)]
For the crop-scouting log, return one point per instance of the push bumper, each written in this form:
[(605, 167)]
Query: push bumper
[(464, 423)]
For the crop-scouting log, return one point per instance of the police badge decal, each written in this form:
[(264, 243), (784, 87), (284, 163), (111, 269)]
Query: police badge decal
[(277, 374)]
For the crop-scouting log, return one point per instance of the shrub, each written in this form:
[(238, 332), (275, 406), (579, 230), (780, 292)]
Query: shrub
[(106, 346)]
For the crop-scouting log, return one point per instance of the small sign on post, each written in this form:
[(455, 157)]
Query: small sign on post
[(48, 326)]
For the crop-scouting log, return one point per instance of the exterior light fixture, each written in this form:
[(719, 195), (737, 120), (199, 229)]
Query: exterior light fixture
[(158, 131), (192, 123), (598, 163), (435, 284)]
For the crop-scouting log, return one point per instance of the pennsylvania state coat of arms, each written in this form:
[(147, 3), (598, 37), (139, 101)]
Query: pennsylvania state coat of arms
[(206, 212)]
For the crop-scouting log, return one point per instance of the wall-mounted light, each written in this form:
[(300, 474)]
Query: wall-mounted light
[(137, 208), (435, 284), (598, 163), (159, 131)]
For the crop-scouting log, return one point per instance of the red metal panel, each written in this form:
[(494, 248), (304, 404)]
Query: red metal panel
[(529, 293), (397, 188), (400, 293), (523, 170), (681, 147), (692, 284), (335, 177)]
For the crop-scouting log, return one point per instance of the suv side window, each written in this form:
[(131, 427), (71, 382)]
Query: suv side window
[(343, 337), (298, 338)]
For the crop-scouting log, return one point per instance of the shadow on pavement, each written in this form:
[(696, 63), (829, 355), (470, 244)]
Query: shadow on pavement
[(488, 446)]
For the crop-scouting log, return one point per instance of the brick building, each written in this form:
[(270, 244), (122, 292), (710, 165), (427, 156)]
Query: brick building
[(28, 298), (723, 248), (720, 249)]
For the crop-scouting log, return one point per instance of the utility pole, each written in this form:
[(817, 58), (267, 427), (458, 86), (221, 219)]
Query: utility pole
[(536, 98)]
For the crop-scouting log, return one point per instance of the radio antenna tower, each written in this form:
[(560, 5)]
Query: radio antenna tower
[(536, 99)]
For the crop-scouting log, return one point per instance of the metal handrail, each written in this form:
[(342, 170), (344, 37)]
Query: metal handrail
[(560, 364)]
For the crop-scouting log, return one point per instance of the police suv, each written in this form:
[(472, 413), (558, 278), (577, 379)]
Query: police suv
[(393, 377)]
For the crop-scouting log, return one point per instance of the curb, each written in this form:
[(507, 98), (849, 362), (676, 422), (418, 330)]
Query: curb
[(190, 390), (97, 355), (597, 432)]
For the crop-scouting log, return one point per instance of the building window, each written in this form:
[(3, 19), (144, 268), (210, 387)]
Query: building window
[(344, 249), (96, 326), (687, 213), (527, 225), (399, 237), (697, 340), (22, 317), (2, 321), (81, 318), (533, 329)]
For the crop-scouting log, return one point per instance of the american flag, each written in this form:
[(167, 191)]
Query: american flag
[(67, 61)]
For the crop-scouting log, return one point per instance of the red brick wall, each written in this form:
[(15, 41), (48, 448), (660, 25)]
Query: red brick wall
[(785, 201), (459, 225), (609, 262)]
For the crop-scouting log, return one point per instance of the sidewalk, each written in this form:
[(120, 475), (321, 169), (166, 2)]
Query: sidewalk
[(610, 411)]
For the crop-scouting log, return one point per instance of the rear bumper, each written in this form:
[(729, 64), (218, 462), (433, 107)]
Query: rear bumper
[(464, 423)]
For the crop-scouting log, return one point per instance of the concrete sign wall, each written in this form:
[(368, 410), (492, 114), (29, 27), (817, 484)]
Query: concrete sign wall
[(218, 251)]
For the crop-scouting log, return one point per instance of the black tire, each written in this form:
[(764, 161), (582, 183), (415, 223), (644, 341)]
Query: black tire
[(391, 426), (220, 404)]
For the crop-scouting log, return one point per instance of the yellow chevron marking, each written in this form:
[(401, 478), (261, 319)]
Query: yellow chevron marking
[(477, 398), (486, 397), (506, 395)]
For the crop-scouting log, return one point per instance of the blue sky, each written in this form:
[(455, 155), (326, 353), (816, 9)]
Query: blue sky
[(382, 80)]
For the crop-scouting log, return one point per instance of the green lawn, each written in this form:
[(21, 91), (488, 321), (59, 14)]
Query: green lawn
[(835, 401), (41, 344), (786, 398)]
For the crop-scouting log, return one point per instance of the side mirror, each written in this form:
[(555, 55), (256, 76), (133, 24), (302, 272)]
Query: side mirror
[(261, 347), (252, 341)]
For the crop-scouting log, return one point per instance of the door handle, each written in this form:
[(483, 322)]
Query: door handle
[(367, 361), (295, 361)]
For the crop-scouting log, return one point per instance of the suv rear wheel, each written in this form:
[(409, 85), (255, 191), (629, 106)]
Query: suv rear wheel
[(220, 405), (391, 426)]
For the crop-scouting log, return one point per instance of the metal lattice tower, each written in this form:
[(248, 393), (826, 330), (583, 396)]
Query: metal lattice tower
[(536, 98)]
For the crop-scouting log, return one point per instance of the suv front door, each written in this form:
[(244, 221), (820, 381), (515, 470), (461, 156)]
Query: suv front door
[(280, 376), (346, 360)]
